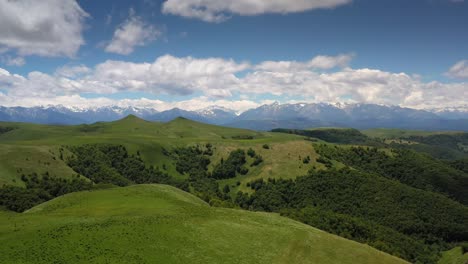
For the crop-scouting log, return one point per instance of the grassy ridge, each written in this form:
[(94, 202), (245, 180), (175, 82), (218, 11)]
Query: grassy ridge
[(400, 133), (439, 144), (161, 224), (285, 156), (149, 138), (454, 256)]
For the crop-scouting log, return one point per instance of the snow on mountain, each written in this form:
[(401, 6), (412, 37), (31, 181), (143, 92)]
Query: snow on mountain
[(265, 117), (361, 116), (218, 114), (460, 112), (212, 115)]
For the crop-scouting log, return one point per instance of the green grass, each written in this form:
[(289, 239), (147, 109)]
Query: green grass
[(40, 143), (454, 256), (393, 133), (17, 160), (281, 160), (161, 224)]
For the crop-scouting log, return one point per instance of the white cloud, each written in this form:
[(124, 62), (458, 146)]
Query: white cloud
[(13, 61), (459, 70), (72, 71), (169, 75), (131, 33), (166, 75), (78, 101), (204, 102), (330, 62), (217, 80), (318, 62), (218, 11), (44, 28), (4, 72)]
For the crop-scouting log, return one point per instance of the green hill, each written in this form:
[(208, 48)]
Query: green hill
[(36, 147), (389, 196), (454, 256), (439, 144), (161, 224)]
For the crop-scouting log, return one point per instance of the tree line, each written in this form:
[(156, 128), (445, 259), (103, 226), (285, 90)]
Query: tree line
[(407, 166), (39, 189), (401, 220)]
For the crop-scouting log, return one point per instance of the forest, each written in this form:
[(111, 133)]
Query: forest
[(333, 135), (409, 167), (410, 204), (391, 216), (5, 129), (39, 189)]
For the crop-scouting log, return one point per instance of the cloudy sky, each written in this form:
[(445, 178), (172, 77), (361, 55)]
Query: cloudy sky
[(234, 53)]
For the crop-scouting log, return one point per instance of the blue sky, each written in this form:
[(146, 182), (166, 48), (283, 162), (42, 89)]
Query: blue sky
[(409, 53)]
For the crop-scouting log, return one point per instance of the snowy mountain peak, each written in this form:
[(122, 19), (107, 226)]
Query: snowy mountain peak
[(215, 108), (265, 117)]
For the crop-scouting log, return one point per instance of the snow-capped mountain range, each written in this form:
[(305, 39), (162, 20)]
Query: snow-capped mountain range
[(265, 117)]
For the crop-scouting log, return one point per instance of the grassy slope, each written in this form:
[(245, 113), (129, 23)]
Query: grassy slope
[(42, 143), (399, 133), (17, 160), (161, 224), (454, 256), (439, 144)]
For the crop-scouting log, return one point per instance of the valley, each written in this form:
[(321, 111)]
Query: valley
[(311, 176)]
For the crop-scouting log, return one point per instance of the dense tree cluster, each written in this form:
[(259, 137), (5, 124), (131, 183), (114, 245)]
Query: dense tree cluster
[(367, 232), (409, 167), (461, 164), (419, 215), (38, 190), (454, 141), (251, 152), (333, 135), (207, 189), (450, 146), (243, 137), (257, 160), (325, 161), (192, 158), (105, 163), (194, 161), (226, 169), (4, 129)]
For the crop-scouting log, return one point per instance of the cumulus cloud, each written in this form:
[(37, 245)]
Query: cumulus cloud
[(218, 11), (329, 62), (169, 74), (204, 102), (218, 79), (319, 62), (44, 28), (131, 33), (166, 75), (72, 71), (459, 70)]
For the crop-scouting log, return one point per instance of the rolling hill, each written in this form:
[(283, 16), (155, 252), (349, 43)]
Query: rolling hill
[(161, 224), (33, 146), (238, 168)]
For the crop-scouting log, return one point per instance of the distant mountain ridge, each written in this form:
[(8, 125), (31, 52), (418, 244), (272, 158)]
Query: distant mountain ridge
[(265, 117)]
